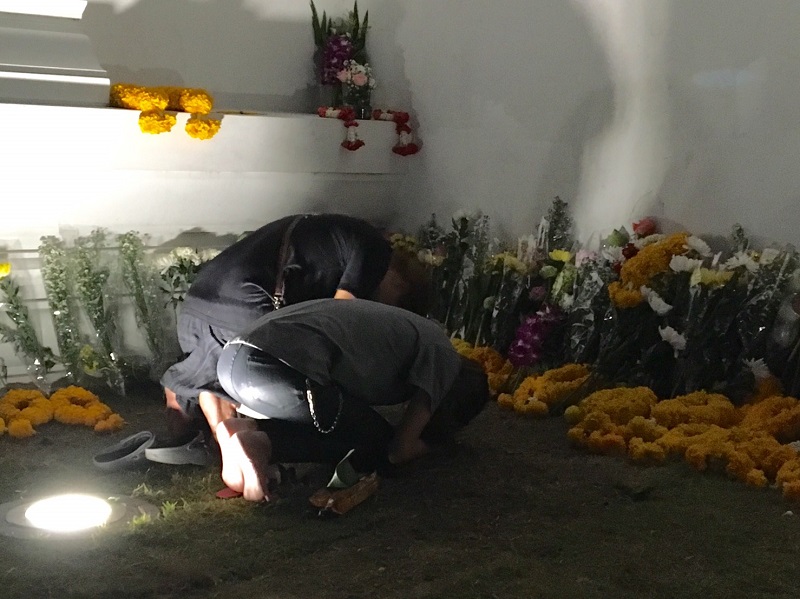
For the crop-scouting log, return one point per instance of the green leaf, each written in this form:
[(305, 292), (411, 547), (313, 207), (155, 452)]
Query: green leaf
[(356, 23), (364, 27)]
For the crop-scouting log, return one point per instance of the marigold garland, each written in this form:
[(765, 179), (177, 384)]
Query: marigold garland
[(156, 121), (202, 127), (537, 393), (702, 428), (23, 409), (496, 367), (154, 102)]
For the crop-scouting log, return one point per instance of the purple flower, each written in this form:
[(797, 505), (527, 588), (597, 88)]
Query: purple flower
[(528, 345), (338, 49)]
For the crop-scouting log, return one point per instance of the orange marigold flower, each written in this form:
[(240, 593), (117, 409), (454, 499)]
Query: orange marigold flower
[(644, 451), (202, 127), (20, 428), (622, 297), (113, 423), (506, 400), (700, 407), (156, 121)]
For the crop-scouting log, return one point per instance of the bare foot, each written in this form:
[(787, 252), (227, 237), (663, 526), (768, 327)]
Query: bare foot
[(232, 474), (251, 449)]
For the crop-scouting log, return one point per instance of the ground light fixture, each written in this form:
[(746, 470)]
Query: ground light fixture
[(70, 515)]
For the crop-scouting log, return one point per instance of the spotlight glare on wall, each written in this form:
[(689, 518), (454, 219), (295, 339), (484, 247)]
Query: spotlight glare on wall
[(68, 513)]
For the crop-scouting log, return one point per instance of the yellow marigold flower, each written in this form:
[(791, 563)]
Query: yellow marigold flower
[(201, 127), (505, 400), (124, 95), (777, 415), (644, 451), (622, 297), (497, 381), (620, 404), (560, 255), (531, 407), (28, 404), (606, 443), (156, 121), (647, 429), (652, 260), (789, 473), (5, 269), (21, 428), (700, 407), (3, 427), (113, 423), (196, 101), (791, 490)]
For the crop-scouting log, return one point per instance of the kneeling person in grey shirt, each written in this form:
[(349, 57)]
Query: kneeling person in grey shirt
[(310, 374)]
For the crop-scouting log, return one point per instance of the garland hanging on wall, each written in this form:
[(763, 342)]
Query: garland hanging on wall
[(405, 145)]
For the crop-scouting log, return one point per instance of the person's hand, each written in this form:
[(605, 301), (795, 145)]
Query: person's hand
[(342, 294)]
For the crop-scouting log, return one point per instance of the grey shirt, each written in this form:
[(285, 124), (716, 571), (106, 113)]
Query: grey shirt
[(372, 351)]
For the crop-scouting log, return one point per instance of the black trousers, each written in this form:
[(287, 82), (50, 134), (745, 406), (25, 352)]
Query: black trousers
[(272, 388)]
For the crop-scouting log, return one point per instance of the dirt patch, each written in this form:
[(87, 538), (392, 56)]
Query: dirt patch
[(511, 510)]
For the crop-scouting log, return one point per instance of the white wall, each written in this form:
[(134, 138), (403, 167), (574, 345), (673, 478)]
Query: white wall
[(685, 109), (680, 108)]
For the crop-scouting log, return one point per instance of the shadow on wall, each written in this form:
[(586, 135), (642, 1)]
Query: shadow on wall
[(246, 62)]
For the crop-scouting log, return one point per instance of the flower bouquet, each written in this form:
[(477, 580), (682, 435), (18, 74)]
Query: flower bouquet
[(357, 85), (336, 42)]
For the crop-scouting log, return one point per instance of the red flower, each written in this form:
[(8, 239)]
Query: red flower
[(646, 226), (629, 251)]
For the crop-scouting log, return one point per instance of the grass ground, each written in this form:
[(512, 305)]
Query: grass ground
[(511, 510)]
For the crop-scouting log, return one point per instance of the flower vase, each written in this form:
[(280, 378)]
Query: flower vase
[(357, 98)]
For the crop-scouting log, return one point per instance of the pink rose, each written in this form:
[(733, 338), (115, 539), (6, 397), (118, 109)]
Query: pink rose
[(646, 226), (342, 76), (359, 79)]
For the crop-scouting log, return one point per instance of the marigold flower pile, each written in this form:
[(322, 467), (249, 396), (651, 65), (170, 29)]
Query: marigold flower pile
[(22, 410), (537, 393), (496, 367), (704, 428), (157, 103)]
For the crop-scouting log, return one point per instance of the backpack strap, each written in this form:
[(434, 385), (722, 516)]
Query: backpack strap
[(283, 256)]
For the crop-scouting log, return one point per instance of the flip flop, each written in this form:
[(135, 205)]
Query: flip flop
[(227, 493)]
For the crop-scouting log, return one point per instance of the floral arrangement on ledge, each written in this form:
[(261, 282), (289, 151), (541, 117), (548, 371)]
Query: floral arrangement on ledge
[(22, 410), (337, 43), (157, 105)]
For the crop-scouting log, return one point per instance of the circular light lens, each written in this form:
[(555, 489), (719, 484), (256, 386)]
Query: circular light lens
[(68, 513)]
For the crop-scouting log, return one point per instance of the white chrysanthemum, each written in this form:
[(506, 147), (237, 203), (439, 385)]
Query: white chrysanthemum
[(613, 254), (759, 369), (184, 253), (741, 259), (566, 301), (460, 215), (208, 254), (684, 264), (649, 240), (768, 255), (673, 337), (698, 245), (655, 301), (164, 263)]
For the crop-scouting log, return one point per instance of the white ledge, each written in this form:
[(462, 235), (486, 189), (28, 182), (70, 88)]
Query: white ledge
[(47, 138)]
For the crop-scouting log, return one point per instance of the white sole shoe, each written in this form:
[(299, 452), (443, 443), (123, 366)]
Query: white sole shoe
[(195, 452)]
